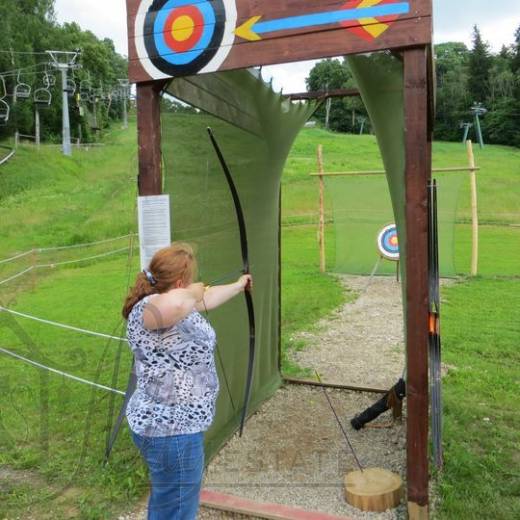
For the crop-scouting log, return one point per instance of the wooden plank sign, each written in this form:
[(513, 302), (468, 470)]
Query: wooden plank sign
[(169, 38)]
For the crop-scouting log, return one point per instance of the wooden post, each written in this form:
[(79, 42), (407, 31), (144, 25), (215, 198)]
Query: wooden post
[(474, 212), (149, 138), (321, 229), (34, 262), (418, 173), (37, 126)]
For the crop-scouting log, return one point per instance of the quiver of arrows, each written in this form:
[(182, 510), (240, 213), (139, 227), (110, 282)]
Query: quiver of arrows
[(392, 399)]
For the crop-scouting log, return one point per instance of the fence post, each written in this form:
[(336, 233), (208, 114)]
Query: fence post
[(321, 229), (474, 208)]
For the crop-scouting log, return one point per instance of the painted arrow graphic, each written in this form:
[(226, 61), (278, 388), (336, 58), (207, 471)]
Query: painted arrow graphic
[(253, 28)]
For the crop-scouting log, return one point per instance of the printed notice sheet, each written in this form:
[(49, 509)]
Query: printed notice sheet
[(154, 225)]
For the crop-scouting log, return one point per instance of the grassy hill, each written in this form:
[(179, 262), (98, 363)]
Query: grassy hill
[(53, 431)]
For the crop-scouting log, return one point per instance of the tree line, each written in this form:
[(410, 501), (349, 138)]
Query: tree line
[(28, 28), (464, 77)]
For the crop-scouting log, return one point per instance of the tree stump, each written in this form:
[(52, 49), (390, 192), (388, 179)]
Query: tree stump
[(373, 489)]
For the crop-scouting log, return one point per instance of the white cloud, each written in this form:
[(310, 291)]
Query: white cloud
[(495, 32), (105, 18), (289, 77)]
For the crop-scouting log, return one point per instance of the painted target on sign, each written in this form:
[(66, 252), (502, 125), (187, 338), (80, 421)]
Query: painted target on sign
[(183, 37), (388, 243)]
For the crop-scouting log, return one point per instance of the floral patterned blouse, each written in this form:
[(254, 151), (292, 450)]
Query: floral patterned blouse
[(177, 382)]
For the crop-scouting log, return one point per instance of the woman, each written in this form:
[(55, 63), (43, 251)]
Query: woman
[(177, 384)]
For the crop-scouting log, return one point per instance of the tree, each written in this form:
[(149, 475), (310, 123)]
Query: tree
[(515, 68), (453, 102), (479, 68), (334, 74)]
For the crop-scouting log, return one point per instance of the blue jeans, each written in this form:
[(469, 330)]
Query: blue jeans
[(176, 465)]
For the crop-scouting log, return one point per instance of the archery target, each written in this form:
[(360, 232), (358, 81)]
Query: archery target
[(388, 243), (182, 37)]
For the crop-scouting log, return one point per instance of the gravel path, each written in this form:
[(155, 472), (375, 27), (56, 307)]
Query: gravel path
[(292, 451), (362, 343)]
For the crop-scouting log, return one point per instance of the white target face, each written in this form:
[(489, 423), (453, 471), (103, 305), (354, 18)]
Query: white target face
[(388, 243), (183, 37)]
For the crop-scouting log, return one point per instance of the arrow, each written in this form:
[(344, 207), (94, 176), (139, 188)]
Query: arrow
[(253, 28)]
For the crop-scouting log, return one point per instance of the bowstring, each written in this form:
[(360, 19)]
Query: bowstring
[(217, 349)]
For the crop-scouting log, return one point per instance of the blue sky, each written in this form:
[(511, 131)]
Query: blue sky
[(453, 20)]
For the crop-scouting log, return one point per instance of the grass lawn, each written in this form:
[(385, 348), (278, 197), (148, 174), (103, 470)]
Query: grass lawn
[(53, 431), (481, 336)]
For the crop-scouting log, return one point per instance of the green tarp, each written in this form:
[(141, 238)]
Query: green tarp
[(380, 80), (255, 128)]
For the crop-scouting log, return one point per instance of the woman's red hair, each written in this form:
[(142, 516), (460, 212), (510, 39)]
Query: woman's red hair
[(168, 266)]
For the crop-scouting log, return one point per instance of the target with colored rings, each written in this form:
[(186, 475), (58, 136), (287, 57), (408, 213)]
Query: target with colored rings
[(388, 243), (182, 37)]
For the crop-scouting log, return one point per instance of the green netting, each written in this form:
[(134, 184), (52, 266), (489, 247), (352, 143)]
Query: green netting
[(362, 207), (255, 129), (379, 78)]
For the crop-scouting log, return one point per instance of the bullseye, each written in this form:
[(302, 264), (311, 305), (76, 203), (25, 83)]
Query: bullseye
[(388, 242), (182, 37), (183, 28)]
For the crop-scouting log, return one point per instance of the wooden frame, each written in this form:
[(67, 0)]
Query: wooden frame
[(235, 34)]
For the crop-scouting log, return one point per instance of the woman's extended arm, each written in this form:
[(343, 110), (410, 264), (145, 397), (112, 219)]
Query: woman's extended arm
[(219, 294), (167, 309)]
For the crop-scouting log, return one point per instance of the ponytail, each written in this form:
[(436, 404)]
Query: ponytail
[(168, 266), (141, 289)]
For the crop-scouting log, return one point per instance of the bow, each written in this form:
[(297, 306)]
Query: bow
[(245, 270), (434, 337)]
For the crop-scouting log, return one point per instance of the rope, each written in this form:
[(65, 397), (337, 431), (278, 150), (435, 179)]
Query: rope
[(7, 157), (61, 325), (106, 240), (68, 262), (60, 248), (21, 255), (59, 372), (17, 275), (83, 259)]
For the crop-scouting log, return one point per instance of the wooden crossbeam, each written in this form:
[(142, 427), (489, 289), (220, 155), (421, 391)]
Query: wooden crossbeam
[(324, 94), (383, 172), (310, 382)]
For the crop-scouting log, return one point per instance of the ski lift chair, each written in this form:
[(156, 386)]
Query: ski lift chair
[(49, 80), (21, 90), (4, 106), (42, 97), (71, 87), (4, 112), (85, 88)]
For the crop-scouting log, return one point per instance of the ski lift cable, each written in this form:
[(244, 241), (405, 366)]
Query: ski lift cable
[(28, 53), (14, 72)]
